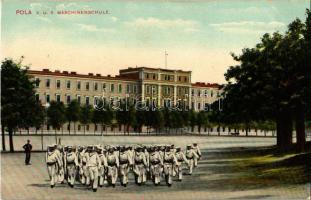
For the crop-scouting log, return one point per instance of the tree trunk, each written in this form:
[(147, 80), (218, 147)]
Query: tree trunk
[(284, 130), (69, 127), (11, 140), (3, 139), (74, 127), (42, 138), (300, 128)]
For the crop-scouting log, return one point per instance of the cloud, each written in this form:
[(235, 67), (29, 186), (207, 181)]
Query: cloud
[(161, 23), (44, 19), (114, 19), (40, 7), (72, 6), (93, 28), (249, 27)]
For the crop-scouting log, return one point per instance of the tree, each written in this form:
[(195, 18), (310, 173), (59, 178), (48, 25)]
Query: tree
[(158, 120), (73, 113), (201, 120), (17, 98), (270, 83), (193, 119), (85, 115), (56, 115)]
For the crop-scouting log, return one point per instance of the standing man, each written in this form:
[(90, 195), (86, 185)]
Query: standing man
[(27, 147)]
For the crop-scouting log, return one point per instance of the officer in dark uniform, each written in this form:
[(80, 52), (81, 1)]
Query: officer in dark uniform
[(27, 147)]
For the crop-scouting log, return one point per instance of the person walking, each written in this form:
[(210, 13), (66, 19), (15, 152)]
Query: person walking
[(27, 147)]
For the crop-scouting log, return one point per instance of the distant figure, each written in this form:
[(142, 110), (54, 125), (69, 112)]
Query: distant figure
[(27, 147)]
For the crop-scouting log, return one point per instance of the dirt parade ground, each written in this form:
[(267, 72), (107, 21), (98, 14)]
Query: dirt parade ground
[(230, 168)]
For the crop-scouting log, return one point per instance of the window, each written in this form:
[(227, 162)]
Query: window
[(112, 87), (87, 100), (212, 93), (148, 89), (192, 105), (95, 86), (153, 89), (58, 84), (147, 76), (206, 106), (199, 93), (192, 92), (68, 99), (186, 79), (96, 102), (79, 127), (135, 88), (206, 93), (199, 106), (37, 82), (58, 97), (37, 97), (68, 84), (104, 86), (79, 99), (47, 98), (87, 127), (87, 85), (79, 85), (128, 88), (154, 76), (47, 83), (179, 78), (120, 88)]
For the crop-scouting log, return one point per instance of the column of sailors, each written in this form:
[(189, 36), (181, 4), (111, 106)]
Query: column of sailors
[(97, 165)]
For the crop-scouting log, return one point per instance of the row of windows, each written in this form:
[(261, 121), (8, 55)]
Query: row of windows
[(87, 99), (96, 86), (205, 93)]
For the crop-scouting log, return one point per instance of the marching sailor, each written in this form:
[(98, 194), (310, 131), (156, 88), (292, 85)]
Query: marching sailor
[(113, 165), (93, 165), (140, 164), (71, 164), (53, 161), (169, 161), (191, 156), (156, 164), (125, 162), (181, 158), (198, 152)]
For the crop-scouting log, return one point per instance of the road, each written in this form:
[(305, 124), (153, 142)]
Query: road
[(209, 181)]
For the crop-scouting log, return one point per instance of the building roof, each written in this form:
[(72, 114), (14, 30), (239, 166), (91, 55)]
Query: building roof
[(130, 69), (75, 74), (202, 84)]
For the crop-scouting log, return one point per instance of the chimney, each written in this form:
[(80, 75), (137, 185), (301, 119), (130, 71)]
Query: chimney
[(98, 74), (65, 72), (74, 73), (45, 70), (57, 71), (91, 74), (109, 75)]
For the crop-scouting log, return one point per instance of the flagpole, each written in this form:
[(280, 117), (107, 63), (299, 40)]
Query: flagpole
[(166, 59)]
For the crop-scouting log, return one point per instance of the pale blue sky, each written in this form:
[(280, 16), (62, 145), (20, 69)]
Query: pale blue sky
[(198, 35)]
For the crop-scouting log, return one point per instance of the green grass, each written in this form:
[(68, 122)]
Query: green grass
[(269, 169)]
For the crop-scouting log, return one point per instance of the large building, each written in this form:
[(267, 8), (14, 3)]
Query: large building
[(160, 87)]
